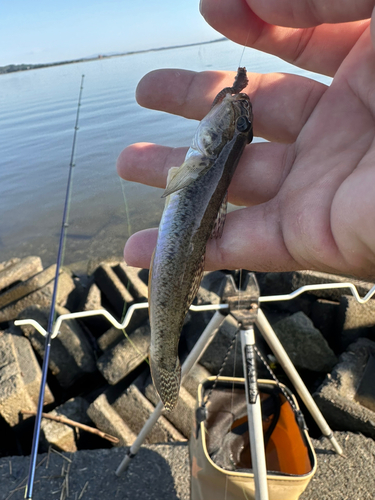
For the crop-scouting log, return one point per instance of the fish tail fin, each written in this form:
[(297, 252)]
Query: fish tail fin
[(167, 383)]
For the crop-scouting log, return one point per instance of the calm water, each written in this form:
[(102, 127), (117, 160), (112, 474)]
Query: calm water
[(37, 115)]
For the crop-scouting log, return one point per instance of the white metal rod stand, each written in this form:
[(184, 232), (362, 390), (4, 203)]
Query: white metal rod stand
[(254, 414), (243, 304)]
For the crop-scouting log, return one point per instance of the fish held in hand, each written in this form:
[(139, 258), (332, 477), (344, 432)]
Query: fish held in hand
[(195, 209)]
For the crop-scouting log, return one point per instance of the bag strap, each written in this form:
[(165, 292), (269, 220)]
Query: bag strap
[(300, 419)]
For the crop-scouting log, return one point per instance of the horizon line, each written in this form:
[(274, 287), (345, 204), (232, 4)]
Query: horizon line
[(12, 68)]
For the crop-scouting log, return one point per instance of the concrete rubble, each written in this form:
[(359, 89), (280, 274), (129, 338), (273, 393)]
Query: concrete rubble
[(99, 375)]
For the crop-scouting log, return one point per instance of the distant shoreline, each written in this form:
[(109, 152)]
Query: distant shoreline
[(13, 68)]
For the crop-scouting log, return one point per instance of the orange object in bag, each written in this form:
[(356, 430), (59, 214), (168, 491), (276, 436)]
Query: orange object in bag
[(220, 449)]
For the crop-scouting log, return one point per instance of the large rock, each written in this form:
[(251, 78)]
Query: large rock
[(110, 338), (41, 297), (20, 378), (215, 354), (92, 301), (182, 416), (25, 287), (304, 344), (62, 436), (355, 320), (134, 280), (116, 363), (108, 420), (71, 355), (19, 270), (324, 316), (113, 288), (7, 263), (118, 296), (197, 375), (134, 408), (347, 395)]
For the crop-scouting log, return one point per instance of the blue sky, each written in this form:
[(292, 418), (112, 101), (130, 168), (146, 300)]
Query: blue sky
[(40, 31)]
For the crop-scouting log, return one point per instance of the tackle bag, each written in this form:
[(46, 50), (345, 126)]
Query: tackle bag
[(219, 445)]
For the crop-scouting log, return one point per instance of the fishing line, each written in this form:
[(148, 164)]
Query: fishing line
[(244, 47), (52, 313)]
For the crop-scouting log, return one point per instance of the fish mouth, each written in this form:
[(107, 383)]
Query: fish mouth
[(167, 383)]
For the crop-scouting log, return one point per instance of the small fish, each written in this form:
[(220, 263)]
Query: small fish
[(195, 210)]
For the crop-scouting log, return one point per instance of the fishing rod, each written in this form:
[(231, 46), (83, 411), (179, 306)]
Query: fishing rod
[(47, 345)]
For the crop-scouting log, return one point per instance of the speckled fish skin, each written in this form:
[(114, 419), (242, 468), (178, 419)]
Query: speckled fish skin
[(187, 223)]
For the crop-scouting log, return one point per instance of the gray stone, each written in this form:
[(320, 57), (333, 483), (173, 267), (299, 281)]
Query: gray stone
[(213, 282), (355, 320), (20, 270), (41, 297), (304, 344), (196, 376), (336, 397), (131, 277), (135, 409), (56, 434), (62, 436), (108, 420), (214, 356), (182, 415), (93, 264), (20, 378), (324, 316), (207, 294), (71, 354), (93, 301), (113, 288), (7, 263), (118, 295), (110, 338), (119, 361), (25, 287)]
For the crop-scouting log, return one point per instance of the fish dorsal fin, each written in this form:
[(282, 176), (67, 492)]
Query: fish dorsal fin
[(180, 177), (217, 230), (171, 173)]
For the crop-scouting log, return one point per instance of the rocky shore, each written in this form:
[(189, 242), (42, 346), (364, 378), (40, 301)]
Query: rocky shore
[(99, 376)]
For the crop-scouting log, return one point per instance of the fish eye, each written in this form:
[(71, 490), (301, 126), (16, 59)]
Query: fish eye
[(243, 124)]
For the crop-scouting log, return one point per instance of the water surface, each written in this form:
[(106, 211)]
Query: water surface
[(37, 116)]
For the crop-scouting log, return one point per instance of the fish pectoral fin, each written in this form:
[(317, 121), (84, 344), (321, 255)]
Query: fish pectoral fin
[(217, 230), (183, 176)]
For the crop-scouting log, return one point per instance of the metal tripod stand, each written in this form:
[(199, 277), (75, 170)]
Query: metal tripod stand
[(243, 305)]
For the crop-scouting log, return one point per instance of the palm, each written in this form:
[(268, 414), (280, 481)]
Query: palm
[(326, 202), (309, 192)]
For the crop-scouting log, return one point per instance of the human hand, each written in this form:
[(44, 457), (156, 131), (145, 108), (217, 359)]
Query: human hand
[(310, 192)]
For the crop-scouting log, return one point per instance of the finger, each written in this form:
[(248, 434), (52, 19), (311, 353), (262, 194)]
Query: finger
[(310, 12), (281, 103), (252, 239), (319, 48), (258, 177)]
